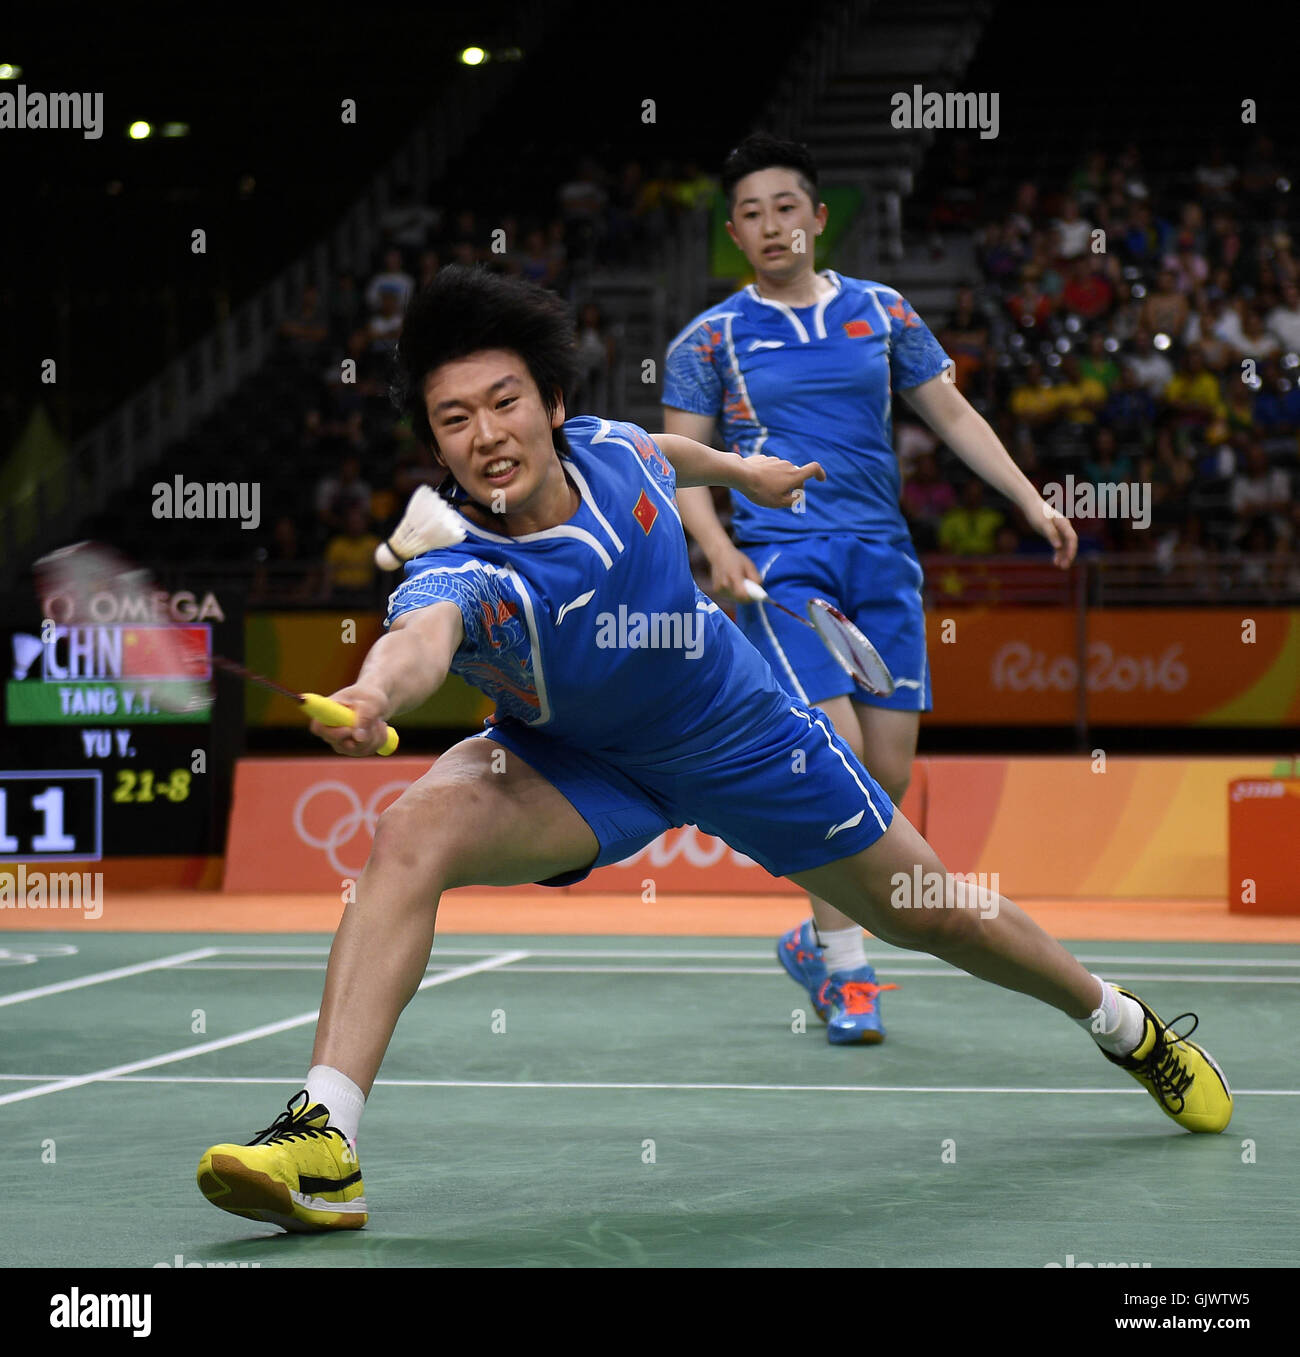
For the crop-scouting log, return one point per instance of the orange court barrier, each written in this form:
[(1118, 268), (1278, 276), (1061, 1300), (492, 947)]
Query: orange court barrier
[(307, 824), (1061, 828), (1263, 845)]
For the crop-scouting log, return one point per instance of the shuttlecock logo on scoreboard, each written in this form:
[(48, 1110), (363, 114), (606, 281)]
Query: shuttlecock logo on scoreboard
[(26, 649)]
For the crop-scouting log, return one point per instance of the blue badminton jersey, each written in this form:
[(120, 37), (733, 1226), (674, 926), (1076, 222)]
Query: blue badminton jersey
[(632, 693), (810, 383), (594, 630)]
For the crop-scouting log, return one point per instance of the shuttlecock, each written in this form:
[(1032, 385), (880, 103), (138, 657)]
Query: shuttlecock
[(26, 649), (429, 522)]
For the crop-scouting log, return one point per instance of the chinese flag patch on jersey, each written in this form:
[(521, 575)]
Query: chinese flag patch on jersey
[(645, 513), (857, 329)]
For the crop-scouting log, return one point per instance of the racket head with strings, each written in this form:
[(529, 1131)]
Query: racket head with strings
[(856, 655), (89, 584)]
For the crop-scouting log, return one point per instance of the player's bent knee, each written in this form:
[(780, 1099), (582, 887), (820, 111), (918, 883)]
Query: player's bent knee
[(893, 775), (417, 836), (398, 849)]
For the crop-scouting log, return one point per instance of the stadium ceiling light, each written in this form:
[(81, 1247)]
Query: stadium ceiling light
[(139, 130), (9, 72), (473, 56), (1161, 341)]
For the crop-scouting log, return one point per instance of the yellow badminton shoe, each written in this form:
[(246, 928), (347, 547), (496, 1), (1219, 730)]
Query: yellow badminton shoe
[(1182, 1077), (300, 1173)]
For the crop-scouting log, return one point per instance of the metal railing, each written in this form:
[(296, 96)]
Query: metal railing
[(1114, 580)]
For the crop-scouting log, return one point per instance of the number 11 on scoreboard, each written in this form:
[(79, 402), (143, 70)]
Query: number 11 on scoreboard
[(58, 818)]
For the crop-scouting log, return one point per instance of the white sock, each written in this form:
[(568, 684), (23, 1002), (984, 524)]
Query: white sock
[(843, 949), (1122, 1023), (344, 1099)]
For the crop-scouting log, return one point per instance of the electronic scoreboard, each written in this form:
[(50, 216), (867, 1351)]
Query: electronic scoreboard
[(91, 765)]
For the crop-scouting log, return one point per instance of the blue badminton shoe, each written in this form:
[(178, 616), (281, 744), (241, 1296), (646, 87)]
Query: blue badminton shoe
[(801, 955), (853, 998)]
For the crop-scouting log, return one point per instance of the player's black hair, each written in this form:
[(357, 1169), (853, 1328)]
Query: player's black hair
[(760, 151), (466, 310)]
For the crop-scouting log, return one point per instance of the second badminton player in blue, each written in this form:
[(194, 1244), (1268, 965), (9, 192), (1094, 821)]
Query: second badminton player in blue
[(803, 365)]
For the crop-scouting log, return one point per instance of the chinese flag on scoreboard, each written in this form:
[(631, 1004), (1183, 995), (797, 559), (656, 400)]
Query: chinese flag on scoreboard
[(165, 652)]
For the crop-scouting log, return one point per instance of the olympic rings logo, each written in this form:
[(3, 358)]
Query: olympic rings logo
[(33, 952), (345, 828)]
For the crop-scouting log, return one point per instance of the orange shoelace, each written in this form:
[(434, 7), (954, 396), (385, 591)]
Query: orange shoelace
[(859, 996)]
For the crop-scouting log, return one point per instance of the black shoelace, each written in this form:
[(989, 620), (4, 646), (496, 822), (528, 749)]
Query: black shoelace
[(283, 1128), (1163, 1066)]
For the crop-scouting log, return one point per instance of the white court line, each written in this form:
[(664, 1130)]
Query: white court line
[(898, 972), (656, 1088), (239, 1038), (101, 977), (771, 971), (881, 949), (439, 950), (259, 966)]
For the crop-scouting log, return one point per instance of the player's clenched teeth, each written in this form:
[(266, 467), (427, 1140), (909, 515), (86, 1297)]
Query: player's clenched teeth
[(499, 469)]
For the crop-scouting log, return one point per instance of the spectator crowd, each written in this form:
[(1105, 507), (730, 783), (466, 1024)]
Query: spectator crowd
[(322, 548), (1130, 328)]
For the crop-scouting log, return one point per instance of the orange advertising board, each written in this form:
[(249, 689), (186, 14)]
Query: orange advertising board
[(307, 824), (1061, 828), (1142, 666), (1008, 666), (1263, 836)]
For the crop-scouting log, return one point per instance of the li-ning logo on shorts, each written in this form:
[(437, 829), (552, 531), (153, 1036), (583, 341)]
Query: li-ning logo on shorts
[(848, 824)]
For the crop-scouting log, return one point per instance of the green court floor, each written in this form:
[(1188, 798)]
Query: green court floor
[(642, 1101)]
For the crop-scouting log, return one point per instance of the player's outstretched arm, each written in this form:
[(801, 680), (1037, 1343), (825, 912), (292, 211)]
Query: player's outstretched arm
[(404, 668), (729, 567), (768, 481), (955, 420)]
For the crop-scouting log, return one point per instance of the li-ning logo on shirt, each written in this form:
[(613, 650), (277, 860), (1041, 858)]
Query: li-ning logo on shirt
[(645, 513), (580, 602)]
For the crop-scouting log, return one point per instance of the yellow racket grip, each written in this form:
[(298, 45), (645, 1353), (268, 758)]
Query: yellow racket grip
[(336, 714)]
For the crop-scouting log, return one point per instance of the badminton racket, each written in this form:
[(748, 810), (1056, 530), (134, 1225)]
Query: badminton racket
[(82, 584), (855, 654)]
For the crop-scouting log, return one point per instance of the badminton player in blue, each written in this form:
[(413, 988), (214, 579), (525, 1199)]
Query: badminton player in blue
[(626, 703), (801, 364)]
